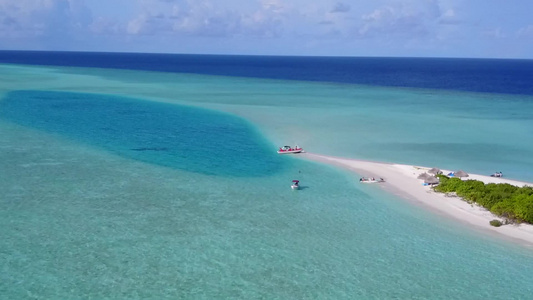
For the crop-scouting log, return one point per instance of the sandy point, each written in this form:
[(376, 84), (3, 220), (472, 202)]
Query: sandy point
[(402, 181)]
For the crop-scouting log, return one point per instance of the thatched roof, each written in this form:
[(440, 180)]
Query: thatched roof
[(423, 176), (431, 180), (435, 171), (461, 173)]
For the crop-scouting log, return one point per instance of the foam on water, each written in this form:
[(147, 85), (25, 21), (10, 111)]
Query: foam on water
[(82, 219)]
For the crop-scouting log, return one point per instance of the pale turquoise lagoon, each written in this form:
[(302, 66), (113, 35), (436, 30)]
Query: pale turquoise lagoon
[(81, 220)]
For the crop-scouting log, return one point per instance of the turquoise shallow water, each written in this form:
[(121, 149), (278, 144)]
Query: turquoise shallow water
[(176, 136), (81, 220)]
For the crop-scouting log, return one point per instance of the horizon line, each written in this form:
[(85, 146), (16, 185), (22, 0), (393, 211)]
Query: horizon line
[(261, 55)]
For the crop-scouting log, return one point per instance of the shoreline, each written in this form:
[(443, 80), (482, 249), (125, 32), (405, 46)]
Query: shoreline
[(401, 180)]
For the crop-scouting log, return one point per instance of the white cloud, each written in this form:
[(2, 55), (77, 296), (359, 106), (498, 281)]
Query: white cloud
[(104, 26), (496, 33), (42, 16), (525, 32), (276, 6), (39, 18), (323, 25), (137, 25), (449, 17), (204, 18), (407, 19)]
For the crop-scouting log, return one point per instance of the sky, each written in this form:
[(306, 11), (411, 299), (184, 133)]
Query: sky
[(397, 28)]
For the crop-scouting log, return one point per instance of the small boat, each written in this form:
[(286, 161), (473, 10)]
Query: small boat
[(371, 180), (289, 149), (497, 174), (295, 185)]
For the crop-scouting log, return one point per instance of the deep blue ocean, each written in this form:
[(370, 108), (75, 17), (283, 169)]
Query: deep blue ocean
[(509, 76)]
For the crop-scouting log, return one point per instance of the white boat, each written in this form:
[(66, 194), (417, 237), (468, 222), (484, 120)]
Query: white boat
[(289, 149), (295, 185), (371, 180)]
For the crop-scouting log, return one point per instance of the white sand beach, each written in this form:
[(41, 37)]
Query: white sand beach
[(402, 180)]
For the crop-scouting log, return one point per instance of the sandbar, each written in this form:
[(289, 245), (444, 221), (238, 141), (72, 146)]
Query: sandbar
[(402, 181)]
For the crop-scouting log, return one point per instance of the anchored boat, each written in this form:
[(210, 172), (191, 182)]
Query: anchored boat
[(371, 180), (289, 149), (295, 185)]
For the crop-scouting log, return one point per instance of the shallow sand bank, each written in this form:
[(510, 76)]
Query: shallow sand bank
[(402, 180)]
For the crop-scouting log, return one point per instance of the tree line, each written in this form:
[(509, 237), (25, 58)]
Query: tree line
[(502, 199)]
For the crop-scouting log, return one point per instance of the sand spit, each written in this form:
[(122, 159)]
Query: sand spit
[(402, 180)]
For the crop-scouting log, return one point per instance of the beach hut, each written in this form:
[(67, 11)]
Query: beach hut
[(435, 171), (461, 174), (424, 176), (431, 180)]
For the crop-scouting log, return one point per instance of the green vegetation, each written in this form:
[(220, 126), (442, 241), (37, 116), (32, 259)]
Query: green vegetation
[(504, 200), (496, 223)]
